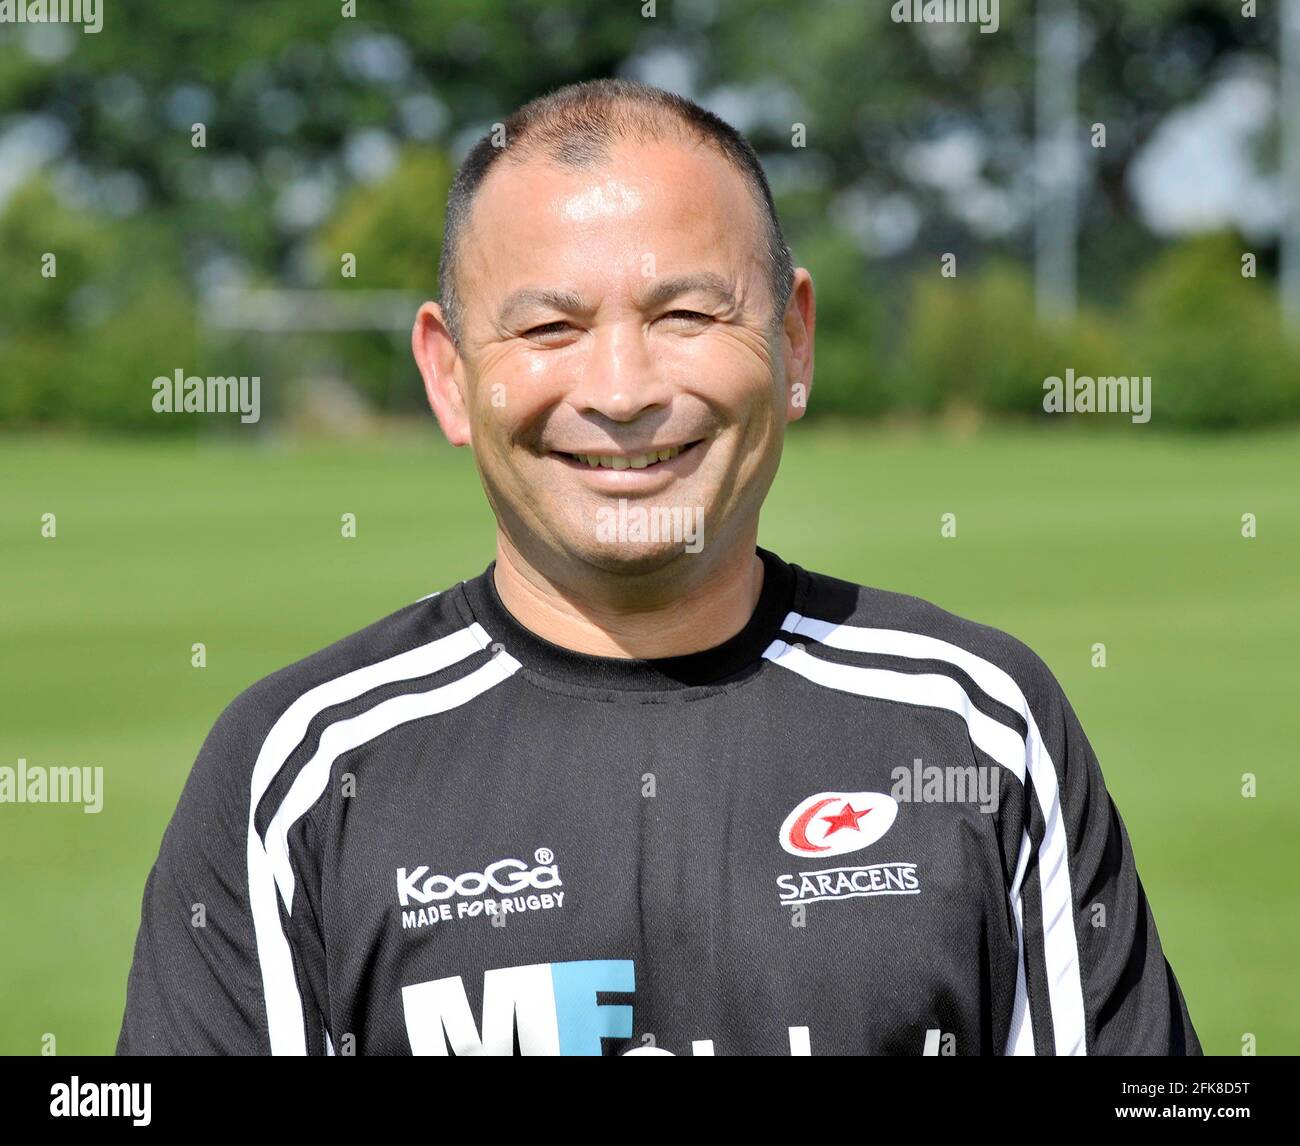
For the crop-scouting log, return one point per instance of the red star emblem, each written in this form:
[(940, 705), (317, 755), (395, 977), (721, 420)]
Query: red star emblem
[(847, 818)]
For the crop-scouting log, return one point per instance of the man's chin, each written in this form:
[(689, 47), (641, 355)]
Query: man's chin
[(632, 558)]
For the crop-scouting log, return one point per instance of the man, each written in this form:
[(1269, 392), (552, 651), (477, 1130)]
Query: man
[(642, 786)]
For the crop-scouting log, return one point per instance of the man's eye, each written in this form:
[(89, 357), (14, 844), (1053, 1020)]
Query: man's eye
[(546, 328), (688, 315)]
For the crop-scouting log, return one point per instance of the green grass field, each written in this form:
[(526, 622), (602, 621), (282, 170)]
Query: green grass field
[(1064, 539)]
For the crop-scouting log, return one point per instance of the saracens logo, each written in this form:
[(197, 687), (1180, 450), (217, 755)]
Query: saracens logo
[(835, 823)]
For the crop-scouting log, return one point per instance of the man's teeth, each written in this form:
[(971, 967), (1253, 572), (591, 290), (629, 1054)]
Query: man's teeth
[(635, 462)]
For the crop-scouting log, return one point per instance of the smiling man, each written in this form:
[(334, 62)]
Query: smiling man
[(641, 786)]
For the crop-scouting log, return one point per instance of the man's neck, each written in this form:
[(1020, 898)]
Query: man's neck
[(646, 617)]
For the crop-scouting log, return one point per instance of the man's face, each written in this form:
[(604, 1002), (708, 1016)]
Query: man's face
[(618, 347)]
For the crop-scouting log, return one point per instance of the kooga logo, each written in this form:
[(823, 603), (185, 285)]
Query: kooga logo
[(505, 877)]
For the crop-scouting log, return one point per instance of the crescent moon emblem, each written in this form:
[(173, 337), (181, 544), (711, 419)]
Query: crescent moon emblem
[(799, 832)]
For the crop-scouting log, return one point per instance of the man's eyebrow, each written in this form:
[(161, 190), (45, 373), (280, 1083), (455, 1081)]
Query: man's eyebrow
[(706, 282), (562, 300)]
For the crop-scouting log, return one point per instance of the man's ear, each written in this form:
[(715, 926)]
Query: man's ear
[(443, 373), (798, 326)]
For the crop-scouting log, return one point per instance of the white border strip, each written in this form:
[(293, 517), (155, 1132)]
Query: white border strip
[(1065, 987), (284, 1016), (344, 735)]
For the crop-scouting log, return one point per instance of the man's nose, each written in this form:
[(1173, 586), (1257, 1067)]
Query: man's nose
[(618, 378)]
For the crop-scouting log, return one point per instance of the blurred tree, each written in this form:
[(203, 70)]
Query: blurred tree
[(888, 145), (392, 231), (83, 346), (1213, 341)]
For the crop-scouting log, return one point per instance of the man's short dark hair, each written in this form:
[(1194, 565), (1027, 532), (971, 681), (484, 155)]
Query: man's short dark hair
[(577, 126)]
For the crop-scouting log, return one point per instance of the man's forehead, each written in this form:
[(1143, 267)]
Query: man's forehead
[(663, 190), (636, 165)]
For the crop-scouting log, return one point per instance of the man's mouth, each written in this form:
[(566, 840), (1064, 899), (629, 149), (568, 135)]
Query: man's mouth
[(642, 461)]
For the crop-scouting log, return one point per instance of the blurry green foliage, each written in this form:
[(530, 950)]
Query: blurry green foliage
[(393, 230), (973, 343), (294, 96), (848, 378), (83, 345), (393, 227), (1214, 340), (1211, 341)]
